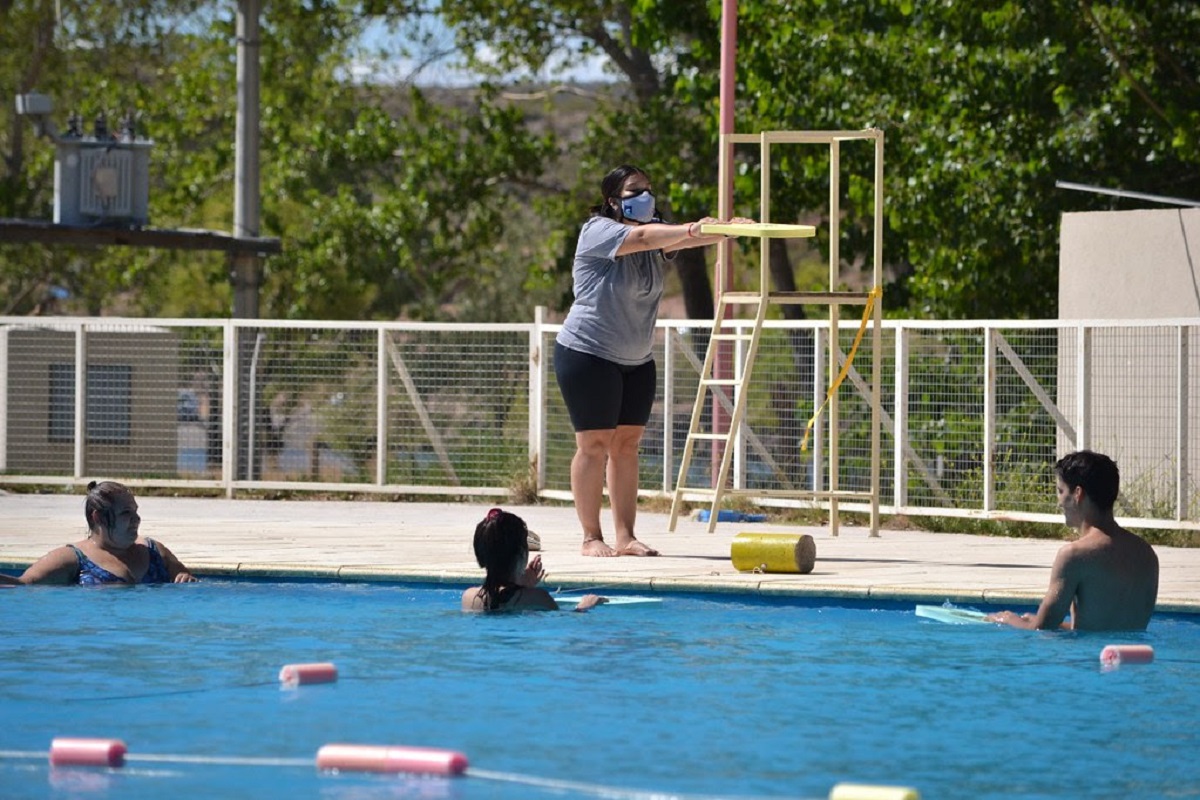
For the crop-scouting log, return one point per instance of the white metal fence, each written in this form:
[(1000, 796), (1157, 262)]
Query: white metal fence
[(974, 413)]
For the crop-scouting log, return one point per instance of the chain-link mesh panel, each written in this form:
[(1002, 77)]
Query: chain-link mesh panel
[(1025, 395), (560, 436), (142, 411), (778, 406), (651, 460), (688, 344), (131, 396), (305, 404), (945, 418), (199, 413), (1190, 488), (1134, 410), (854, 412), (458, 407), (307, 400), (39, 401)]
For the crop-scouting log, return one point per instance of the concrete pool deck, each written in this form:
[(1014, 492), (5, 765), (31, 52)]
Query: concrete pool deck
[(431, 542)]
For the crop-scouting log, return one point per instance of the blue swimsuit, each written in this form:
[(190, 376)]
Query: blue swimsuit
[(91, 574)]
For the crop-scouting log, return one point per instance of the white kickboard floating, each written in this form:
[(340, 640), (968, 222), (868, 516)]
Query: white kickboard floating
[(952, 616), (626, 600)]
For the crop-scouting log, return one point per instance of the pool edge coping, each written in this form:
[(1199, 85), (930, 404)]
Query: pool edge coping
[(663, 585)]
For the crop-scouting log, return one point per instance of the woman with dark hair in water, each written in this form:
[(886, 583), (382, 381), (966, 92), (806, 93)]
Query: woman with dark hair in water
[(511, 579)]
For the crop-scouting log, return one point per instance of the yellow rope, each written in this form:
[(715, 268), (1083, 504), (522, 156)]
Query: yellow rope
[(872, 296)]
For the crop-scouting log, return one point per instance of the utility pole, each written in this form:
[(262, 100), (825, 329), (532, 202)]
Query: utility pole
[(246, 267)]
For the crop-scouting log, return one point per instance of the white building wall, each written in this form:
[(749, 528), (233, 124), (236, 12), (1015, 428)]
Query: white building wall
[(1145, 389), (1130, 264)]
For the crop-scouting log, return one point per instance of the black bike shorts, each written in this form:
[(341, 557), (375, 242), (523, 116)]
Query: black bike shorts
[(600, 394)]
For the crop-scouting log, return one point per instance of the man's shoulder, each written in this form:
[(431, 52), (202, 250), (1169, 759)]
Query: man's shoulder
[(1087, 547), (1117, 542)]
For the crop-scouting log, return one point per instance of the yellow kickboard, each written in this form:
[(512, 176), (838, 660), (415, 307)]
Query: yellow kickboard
[(762, 230)]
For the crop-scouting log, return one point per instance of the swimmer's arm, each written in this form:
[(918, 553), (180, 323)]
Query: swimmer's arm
[(59, 566), (590, 601), (1064, 582), (175, 568)]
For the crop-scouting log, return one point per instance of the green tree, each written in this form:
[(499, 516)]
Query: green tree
[(641, 120), (387, 205), (86, 56), (984, 108)]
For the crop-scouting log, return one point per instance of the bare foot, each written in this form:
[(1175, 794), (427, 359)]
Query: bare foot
[(636, 548), (596, 547)]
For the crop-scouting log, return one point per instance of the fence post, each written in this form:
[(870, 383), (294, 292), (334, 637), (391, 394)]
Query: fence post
[(537, 399), (739, 443), (1182, 451), (80, 421), (1083, 380), (820, 349), (900, 419), (989, 417), (668, 373), (229, 406), (381, 383)]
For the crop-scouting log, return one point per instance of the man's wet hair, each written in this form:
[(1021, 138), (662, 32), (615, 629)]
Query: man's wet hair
[(1095, 472)]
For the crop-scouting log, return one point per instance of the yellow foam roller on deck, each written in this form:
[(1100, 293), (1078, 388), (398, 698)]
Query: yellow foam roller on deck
[(773, 552)]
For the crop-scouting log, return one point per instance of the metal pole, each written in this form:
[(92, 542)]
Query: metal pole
[(247, 271)]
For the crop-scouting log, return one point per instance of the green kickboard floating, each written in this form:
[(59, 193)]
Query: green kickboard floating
[(952, 616), (627, 600)]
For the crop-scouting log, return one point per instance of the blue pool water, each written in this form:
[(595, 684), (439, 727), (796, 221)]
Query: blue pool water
[(691, 696)]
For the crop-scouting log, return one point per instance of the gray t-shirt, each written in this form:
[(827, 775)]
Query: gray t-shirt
[(616, 297)]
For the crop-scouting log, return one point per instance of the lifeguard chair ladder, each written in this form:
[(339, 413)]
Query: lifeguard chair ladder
[(758, 301)]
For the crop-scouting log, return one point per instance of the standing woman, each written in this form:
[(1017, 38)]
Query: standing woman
[(603, 356)]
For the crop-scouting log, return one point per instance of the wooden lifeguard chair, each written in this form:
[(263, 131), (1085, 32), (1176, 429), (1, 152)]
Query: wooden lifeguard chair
[(758, 302)]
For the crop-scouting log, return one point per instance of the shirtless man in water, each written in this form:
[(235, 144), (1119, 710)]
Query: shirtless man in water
[(1107, 578)]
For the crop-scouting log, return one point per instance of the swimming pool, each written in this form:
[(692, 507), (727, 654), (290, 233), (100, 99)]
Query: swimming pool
[(694, 695)]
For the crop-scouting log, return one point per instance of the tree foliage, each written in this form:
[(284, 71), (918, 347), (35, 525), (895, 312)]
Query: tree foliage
[(984, 107), (381, 210), (390, 203)]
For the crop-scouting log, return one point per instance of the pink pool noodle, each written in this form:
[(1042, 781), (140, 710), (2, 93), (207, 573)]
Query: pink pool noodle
[(1116, 654), (371, 758), (87, 752), (297, 674)]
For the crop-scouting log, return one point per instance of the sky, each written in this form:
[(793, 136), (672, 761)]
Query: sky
[(440, 65)]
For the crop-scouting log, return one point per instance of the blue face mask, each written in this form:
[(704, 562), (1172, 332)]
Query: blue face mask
[(640, 207)]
